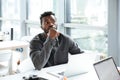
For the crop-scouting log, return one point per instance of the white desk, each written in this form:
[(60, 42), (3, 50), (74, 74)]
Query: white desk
[(12, 45), (91, 75), (43, 73)]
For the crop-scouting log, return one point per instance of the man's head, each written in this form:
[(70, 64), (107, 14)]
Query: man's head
[(48, 20)]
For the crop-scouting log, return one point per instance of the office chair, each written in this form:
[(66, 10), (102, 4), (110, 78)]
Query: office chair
[(5, 62)]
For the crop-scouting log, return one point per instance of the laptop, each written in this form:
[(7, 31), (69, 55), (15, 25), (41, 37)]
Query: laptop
[(106, 69), (78, 64)]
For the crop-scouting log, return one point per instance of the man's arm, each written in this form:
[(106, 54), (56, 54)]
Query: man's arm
[(74, 48), (39, 54)]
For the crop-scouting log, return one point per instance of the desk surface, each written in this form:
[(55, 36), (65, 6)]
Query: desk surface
[(12, 44), (91, 75)]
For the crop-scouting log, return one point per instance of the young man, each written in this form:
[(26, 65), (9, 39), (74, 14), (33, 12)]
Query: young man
[(51, 47)]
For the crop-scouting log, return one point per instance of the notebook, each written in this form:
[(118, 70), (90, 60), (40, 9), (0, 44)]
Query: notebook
[(106, 69)]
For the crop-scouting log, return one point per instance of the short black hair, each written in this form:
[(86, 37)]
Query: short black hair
[(47, 13)]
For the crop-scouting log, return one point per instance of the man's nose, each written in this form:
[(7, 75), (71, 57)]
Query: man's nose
[(51, 25)]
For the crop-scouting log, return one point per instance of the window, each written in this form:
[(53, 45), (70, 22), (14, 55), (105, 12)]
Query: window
[(35, 8), (90, 12), (11, 9), (87, 24), (10, 13)]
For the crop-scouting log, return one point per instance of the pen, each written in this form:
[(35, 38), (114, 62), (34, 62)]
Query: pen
[(53, 74)]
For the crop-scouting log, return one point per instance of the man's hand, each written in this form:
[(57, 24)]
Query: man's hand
[(118, 69), (65, 78), (53, 33)]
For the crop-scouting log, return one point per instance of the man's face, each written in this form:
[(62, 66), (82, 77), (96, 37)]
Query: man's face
[(48, 22)]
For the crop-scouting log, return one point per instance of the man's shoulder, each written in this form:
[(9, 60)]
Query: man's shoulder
[(64, 35), (37, 37), (40, 35)]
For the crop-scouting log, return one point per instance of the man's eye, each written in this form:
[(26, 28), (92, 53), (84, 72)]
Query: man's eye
[(46, 22)]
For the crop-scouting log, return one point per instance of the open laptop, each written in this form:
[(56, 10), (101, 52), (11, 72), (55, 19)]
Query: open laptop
[(78, 64), (106, 69)]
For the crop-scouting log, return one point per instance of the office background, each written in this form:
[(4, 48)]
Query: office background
[(93, 24)]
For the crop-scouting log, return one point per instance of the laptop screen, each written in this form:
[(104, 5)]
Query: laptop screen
[(106, 69)]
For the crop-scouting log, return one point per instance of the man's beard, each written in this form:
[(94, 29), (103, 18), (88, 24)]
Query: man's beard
[(47, 30)]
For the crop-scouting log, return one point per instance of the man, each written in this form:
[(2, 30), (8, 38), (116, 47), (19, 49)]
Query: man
[(51, 47)]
